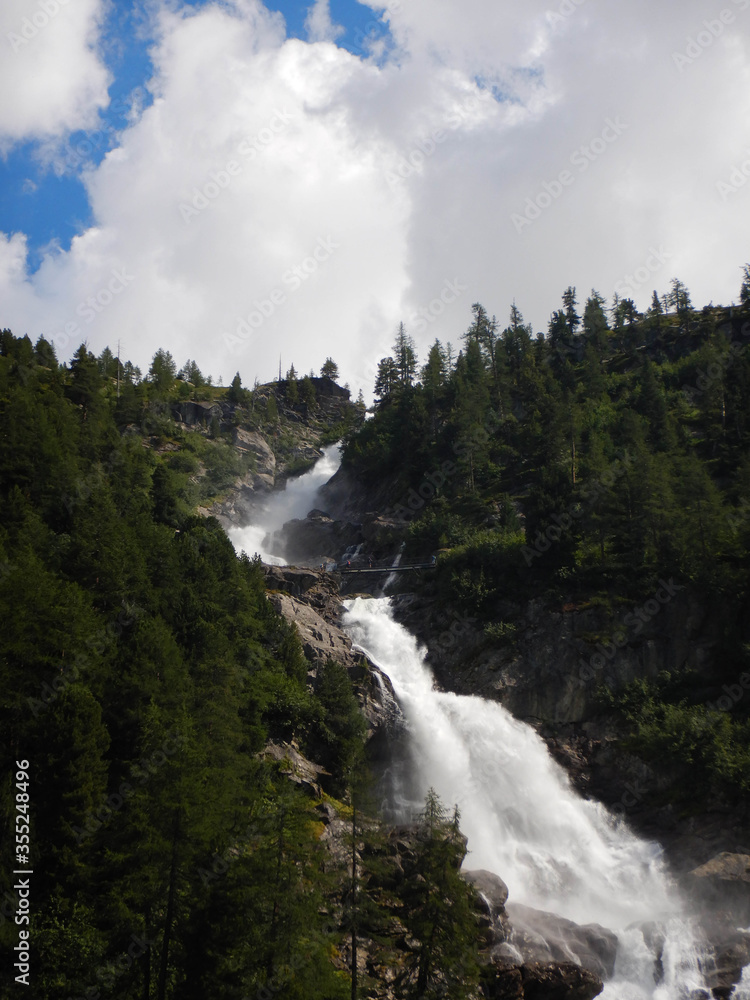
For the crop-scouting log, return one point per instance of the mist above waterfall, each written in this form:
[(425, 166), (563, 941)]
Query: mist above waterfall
[(295, 501)]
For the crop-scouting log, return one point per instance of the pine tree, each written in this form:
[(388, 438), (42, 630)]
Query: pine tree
[(236, 394), (292, 388), (386, 380), (439, 904), (595, 325), (330, 369), (404, 357), (163, 371)]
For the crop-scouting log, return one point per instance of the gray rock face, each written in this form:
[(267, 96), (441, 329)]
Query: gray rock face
[(320, 641), (255, 444), (546, 937), (318, 537), (310, 601), (543, 981), (559, 655), (722, 885), (296, 766)]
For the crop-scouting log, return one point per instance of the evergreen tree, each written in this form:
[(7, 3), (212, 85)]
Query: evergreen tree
[(440, 913), (236, 394), (745, 287), (330, 369), (292, 387), (307, 392), (405, 357), (595, 325), (572, 319), (386, 380), (163, 371)]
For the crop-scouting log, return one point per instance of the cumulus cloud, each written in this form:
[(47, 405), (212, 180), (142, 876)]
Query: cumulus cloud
[(51, 77), (282, 197), (318, 23)]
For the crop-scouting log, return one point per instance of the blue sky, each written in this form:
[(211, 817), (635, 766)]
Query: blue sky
[(52, 208), (204, 178)]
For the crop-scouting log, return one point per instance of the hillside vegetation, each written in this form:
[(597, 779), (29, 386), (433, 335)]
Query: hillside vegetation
[(595, 464)]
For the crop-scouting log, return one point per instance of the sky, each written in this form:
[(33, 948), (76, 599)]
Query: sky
[(249, 185)]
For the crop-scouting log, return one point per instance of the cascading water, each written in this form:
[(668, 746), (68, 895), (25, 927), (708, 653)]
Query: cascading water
[(295, 501), (556, 851), (396, 562)]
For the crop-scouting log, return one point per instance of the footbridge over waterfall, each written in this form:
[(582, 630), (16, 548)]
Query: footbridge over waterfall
[(378, 569)]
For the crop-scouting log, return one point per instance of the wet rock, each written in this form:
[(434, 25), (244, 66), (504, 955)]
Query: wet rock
[(492, 894), (542, 981), (722, 884), (546, 937)]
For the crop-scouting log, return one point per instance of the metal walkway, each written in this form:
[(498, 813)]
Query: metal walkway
[(380, 570)]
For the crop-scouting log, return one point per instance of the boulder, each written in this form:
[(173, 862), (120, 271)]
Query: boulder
[(491, 887), (542, 981), (290, 579), (546, 937), (722, 884), (492, 893)]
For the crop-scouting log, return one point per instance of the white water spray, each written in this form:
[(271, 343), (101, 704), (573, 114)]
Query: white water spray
[(556, 851), (293, 502)]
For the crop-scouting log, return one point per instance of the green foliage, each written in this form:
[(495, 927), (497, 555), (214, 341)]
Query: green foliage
[(142, 669), (706, 746), (439, 910)]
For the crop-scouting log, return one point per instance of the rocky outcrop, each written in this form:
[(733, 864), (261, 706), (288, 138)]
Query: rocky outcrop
[(310, 601), (319, 538), (540, 981), (554, 658), (297, 768), (546, 937)]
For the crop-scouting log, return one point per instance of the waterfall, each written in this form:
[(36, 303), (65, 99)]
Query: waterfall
[(295, 501), (556, 851), (396, 562)]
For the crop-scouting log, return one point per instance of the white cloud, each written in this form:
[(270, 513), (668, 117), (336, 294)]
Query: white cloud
[(303, 200), (318, 23), (51, 77)]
